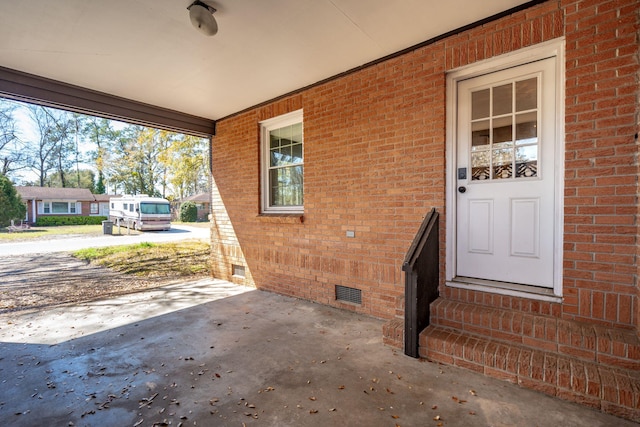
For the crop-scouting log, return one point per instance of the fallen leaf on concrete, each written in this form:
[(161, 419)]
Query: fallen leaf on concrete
[(313, 411), (436, 418), (139, 422), (147, 400)]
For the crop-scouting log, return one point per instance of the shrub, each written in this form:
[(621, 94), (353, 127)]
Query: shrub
[(188, 212), (48, 221), (11, 206)]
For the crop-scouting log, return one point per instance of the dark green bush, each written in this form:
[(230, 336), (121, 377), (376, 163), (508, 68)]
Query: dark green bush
[(48, 221), (11, 207), (188, 212)]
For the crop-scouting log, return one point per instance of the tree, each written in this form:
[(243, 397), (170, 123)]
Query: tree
[(11, 206), (100, 133), (49, 153), (12, 154), (84, 178), (135, 168), (189, 168)]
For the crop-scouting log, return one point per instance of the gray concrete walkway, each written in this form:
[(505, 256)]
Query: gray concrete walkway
[(209, 353)]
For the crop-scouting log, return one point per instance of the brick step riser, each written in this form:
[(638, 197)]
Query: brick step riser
[(611, 389), (605, 346)]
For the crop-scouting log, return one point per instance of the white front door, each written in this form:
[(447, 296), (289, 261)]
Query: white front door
[(504, 175)]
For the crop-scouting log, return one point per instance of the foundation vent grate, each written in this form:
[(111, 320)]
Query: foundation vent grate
[(238, 270), (347, 294)]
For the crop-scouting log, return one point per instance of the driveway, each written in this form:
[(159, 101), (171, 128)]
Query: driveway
[(210, 353), (177, 232)]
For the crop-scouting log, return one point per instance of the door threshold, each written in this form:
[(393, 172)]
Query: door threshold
[(504, 288)]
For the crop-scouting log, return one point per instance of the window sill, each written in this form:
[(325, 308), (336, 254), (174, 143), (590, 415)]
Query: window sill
[(281, 218)]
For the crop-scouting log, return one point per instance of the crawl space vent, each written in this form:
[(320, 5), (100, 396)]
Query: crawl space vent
[(238, 270), (352, 295)]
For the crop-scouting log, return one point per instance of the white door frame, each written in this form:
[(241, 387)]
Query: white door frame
[(553, 48)]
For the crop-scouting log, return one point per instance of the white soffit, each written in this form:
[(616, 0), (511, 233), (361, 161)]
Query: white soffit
[(147, 50)]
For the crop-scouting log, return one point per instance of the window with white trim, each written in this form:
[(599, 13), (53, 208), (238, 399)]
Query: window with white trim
[(282, 157), (57, 208), (94, 208)]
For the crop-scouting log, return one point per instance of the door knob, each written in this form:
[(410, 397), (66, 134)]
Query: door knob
[(462, 189)]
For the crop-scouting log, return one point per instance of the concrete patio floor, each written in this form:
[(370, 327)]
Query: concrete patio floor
[(209, 353)]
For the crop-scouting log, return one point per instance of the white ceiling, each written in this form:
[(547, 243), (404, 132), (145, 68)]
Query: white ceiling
[(147, 50)]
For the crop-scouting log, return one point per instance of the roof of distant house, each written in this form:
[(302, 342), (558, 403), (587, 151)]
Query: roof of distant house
[(202, 198), (104, 197), (42, 193)]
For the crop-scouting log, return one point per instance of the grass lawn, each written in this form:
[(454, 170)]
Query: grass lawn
[(173, 259), (44, 232)]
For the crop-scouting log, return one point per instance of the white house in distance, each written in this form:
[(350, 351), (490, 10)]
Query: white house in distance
[(48, 201)]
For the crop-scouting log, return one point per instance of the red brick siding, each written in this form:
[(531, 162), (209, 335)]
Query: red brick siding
[(600, 274), (375, 164)]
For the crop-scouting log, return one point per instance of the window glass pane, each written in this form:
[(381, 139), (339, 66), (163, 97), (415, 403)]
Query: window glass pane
[(527, 161), (154, 208), (502, 159), (527, 94), (296, 153), (46, 208), (275, 139), (286, 146), (480, 104), (479, 134), (527, 128), (296, 132), (480, 165), (502, 130), (502, 99), (72, 207), (286, 186), (59, 207)]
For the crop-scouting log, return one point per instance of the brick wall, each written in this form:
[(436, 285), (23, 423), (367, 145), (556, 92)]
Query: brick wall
[(375, 164)]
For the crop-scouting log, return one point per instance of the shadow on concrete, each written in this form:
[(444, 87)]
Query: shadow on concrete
[(215, 354)]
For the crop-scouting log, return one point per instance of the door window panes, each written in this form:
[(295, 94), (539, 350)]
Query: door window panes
[(504, 131)]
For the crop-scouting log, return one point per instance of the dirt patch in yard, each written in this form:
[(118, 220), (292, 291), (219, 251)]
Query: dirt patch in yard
[(45, 280)]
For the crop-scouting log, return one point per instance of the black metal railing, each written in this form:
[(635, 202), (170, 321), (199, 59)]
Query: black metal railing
[(422, 268)]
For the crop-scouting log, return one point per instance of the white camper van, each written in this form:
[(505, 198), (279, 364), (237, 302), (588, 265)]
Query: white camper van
[(140, 212)]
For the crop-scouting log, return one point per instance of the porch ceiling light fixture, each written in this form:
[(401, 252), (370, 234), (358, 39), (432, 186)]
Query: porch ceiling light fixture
[(202, 19)]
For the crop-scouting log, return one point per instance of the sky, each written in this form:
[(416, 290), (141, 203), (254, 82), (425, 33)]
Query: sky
[(27, 132)]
